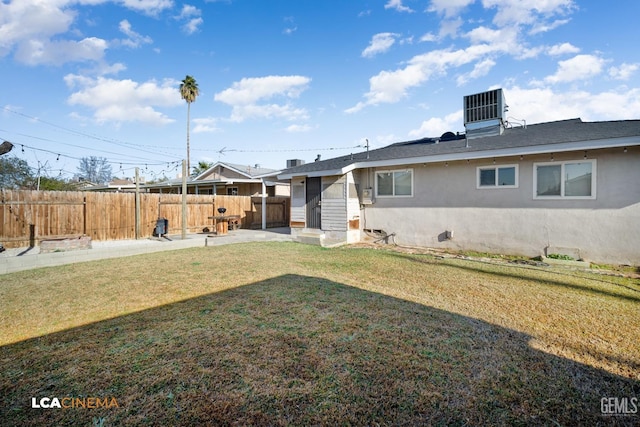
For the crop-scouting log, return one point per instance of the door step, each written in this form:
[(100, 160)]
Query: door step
[(310, 238), (318, 239)]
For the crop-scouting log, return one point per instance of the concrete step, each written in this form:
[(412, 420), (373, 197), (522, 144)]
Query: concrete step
[(310, 238)]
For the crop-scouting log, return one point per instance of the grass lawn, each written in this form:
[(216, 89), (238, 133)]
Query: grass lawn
[(289, 334)]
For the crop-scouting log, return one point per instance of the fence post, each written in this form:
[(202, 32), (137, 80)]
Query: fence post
[(84, 215), (137, 207), (264, 205)]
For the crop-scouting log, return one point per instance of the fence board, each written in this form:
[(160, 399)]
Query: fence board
[(111, 216)]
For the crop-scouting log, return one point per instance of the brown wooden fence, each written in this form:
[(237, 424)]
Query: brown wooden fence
[(27, 217)]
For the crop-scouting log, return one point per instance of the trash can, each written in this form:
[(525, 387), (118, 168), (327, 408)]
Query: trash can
[(162, 225)]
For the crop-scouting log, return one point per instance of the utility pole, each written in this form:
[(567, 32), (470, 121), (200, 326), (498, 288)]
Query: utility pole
[(184, 199)]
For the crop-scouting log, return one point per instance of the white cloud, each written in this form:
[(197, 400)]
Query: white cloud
[(188, 11), (484, 35), (436, 126), (527, 12), (580, 67), (37, 52), (487, 44), (449, 28), (380, 43), (39, 32), (561, 49), (149, 7), (299, 128), (392, 86), (539, 105), (397, 5), (192, 18), (623, 72), (289, 31), (428, 37), (120, 101), (134, 39), (448, 8), (291, 28), (545, 27), (247, 97), (205, 125), (480, 69), (22, 21), (544, 104), (193, 25), (28, 26)]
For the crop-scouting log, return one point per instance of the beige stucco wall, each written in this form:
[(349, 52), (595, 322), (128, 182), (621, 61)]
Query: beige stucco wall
[(605, 229)]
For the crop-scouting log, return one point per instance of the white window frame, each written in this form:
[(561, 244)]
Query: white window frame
[(562, 180), (232, 190), (495, 185), (391, 171)]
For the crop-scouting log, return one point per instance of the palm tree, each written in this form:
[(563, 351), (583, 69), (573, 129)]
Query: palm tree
[(202, 166), (189, 92)]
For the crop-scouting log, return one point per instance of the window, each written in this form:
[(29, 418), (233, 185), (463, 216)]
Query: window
[(232, 191), (504, 176), (564, 180), (394, 183)]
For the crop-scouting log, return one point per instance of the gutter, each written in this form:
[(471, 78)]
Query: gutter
[(475, 155)]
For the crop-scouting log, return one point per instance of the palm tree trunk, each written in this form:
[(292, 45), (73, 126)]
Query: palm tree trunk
[(188, 122)]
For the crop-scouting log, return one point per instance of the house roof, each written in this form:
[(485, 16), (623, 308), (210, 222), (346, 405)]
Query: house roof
[(251, 172), (550, 137)]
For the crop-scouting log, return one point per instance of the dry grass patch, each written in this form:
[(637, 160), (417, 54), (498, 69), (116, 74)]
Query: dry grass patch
[(286, 334)]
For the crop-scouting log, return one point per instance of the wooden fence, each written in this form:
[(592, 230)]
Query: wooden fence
[(27, 217)]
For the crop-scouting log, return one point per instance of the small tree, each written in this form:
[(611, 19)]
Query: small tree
[(56, 184), (15, 173), (95, 169)]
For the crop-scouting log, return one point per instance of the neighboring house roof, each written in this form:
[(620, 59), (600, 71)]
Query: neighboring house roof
[(115, 184), (248, 174), (559, 136), (251, 172)]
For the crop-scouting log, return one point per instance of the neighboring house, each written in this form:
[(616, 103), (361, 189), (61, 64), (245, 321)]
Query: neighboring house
[(117, 185), (227, 179), (560, 187)]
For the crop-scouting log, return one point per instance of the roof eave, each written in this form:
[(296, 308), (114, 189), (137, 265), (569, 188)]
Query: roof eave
[(318, 173), (507, 152)]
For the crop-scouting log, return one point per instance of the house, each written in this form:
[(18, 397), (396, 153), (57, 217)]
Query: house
[(116, 185), (567, 187), (227, 179)]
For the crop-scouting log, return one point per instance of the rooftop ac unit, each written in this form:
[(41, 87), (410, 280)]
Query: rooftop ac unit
[(484, 114)]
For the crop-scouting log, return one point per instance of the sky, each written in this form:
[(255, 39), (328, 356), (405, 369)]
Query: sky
[(295, 79)]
